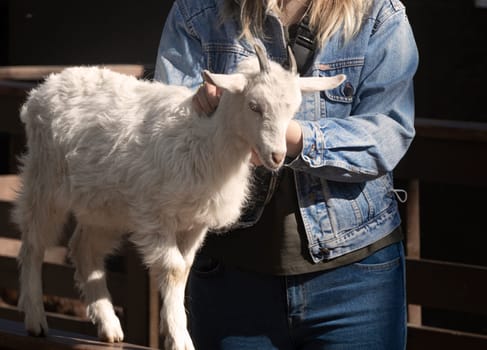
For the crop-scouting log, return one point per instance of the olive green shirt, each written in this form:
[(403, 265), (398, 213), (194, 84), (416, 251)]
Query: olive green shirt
[(277, 243)]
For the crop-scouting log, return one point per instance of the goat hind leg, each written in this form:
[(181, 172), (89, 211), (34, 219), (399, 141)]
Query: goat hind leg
[(89, 246), (41, 229), (30, 298)]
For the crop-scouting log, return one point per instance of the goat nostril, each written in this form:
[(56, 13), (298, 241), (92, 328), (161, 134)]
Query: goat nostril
[(277, 157)]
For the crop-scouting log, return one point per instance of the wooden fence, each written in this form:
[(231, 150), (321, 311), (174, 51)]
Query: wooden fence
[(437, 284), (447, 152), (134, 294)]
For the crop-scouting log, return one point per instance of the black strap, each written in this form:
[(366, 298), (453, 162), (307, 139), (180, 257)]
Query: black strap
[(303, 43)]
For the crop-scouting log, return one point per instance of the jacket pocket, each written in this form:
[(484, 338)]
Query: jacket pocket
[(339, 101), (379, 195), (361, 201)]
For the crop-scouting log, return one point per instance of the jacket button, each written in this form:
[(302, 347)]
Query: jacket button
[(325, 251), (348, 90)]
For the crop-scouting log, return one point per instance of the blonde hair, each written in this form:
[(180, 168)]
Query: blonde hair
[(326, 17)]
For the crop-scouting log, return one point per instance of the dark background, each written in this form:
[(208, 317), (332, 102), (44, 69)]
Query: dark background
[(50, 32), (450, 84), (451, 36)]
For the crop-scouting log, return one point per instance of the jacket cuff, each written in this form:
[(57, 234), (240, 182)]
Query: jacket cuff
[(313, 151)]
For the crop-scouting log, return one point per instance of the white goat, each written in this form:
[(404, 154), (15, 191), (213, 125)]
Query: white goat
[(126, 155)]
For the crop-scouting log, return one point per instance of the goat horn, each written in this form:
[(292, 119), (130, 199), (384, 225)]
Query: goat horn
[(291, 60), (263, 61)]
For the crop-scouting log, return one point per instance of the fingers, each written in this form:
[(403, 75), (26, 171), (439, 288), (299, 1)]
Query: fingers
[(294, 139), (206, 99)]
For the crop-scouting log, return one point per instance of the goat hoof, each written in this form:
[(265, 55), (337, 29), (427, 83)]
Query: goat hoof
[(36, 329), (37, 333), (34, 333), (111, 331), (112, 337)]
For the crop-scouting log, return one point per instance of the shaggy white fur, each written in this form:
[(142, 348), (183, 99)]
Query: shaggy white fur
[(126, 155)]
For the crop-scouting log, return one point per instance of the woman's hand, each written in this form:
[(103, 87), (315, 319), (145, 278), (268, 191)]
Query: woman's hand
[(206, 99), (294, 139)]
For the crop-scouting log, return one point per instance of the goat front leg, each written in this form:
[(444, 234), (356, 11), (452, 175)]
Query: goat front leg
[(169, 258), (89, 246), (173, 326)]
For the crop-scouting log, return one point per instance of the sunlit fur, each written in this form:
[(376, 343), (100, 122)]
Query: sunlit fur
[(125, 155)]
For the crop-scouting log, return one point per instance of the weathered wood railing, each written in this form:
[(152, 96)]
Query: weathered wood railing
[(133, 293), (14, 337), (438, 284), (455, 153)]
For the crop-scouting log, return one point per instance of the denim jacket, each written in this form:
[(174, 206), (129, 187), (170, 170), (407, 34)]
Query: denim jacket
[(353, 135)]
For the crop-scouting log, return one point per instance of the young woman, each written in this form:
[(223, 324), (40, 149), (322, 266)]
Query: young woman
[(316, 261)]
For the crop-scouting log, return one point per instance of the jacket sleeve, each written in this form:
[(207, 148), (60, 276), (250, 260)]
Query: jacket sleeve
[(180, 58), (371, 141)]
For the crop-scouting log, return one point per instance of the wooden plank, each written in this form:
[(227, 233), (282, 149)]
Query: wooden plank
[(428, 338), (30, 73), (52, 276), (154, 315), (413, 239), (54, 320), (14, 337), (136, 312), (58, 280), (413, 235), (447, 286), (451, 130), (9, 247), (19, 80), (428, 160), (445, 161), (9, 186)]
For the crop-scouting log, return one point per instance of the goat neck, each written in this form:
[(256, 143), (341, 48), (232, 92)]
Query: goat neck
[(228, 139)]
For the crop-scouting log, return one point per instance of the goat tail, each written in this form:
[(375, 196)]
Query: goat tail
[(38, 211)]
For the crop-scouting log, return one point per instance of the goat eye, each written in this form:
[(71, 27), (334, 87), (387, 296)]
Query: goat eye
[(255, 107)]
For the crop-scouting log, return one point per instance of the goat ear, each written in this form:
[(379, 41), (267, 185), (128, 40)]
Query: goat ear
[(232, 82), (312, 84)]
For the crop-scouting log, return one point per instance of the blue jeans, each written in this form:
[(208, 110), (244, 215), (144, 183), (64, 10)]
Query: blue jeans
[(358, 306)]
